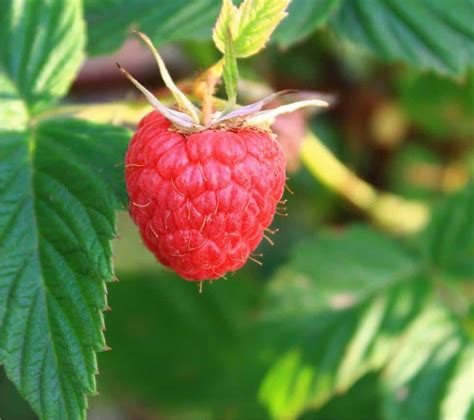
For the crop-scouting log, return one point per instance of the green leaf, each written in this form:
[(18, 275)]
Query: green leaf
[(304, 17), (251, 24), (230, 73), (339, 310), (331, 271), (361, 402), (315, 356), (458, 400), (349, 304), (448, 242), (425, 34), (228, 20), (60, 182), (108, 23), (435, 361), (56, 224), (41, 50), (101, 148)]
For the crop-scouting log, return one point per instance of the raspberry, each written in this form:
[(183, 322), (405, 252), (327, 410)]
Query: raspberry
[(202, 200), (204, 184)]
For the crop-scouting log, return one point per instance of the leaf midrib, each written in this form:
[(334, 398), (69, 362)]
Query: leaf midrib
[(32, 143)]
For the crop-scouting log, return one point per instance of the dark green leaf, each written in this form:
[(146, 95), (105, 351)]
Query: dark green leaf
[(425, 34), (100, 148), (109, 22), (56, 224), (304, 16), (361, 402), (41, 48), (163, 21), (448, 242)]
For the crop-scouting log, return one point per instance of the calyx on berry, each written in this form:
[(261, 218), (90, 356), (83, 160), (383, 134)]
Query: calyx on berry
[(188, 118)]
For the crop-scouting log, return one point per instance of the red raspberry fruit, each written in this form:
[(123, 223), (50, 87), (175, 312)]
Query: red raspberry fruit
[(204, 184), (202, 200)]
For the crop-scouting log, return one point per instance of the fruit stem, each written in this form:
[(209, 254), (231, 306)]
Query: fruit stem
[(210, 79)]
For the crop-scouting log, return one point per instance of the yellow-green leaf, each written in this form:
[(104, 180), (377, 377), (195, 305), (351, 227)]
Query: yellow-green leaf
[(228, 19), (251, 24)]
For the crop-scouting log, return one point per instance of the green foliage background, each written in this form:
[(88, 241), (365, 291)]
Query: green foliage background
[(344, 321)]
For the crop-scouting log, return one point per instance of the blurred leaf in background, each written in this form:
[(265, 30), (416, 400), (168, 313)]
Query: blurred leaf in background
[(331, 332), (426, 34), (346, 304)]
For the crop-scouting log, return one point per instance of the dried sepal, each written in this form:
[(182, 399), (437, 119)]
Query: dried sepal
[(179, 119), (184, 103), (249, 115), (251, 109), (268, 116)]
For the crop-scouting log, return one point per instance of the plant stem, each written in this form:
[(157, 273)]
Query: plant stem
[(389, 211), (206, 89)]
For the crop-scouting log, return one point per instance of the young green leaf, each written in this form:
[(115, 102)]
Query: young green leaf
[(231, 72), (251, 24), (57, 220), (228, 19)]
